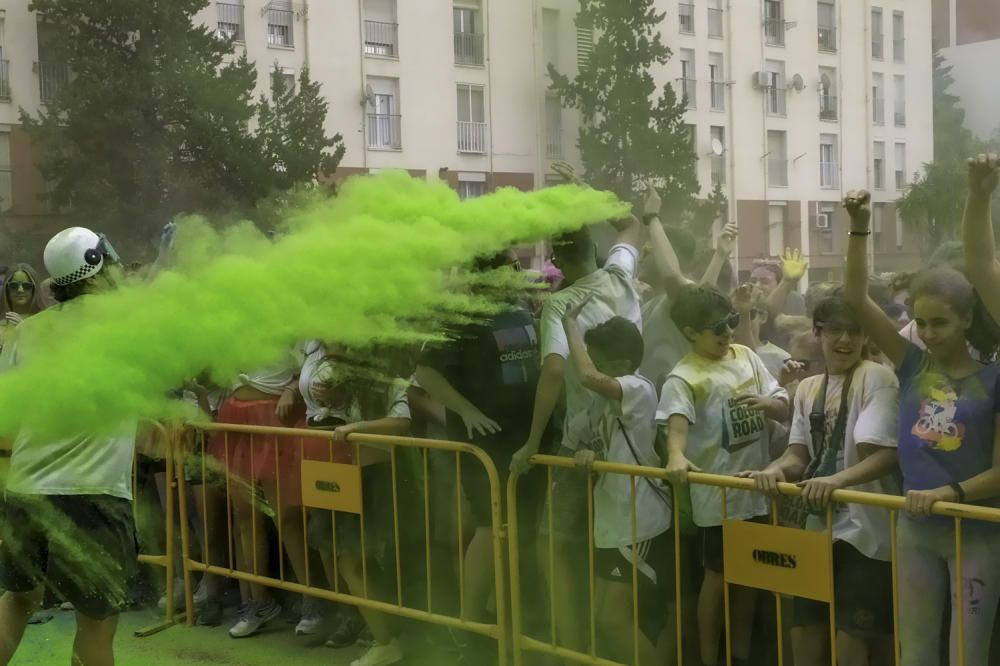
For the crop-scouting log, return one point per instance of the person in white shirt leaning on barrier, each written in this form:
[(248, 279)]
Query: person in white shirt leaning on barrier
[(71, 500), (714, 407), (620, 428), (843, 435)]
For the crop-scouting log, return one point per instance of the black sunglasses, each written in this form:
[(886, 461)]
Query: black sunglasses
[(21, 286), (723, 326)]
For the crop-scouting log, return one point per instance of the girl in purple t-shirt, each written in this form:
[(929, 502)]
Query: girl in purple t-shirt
[(949, 449)]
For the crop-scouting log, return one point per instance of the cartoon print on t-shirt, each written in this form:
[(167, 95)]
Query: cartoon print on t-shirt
[(935, 424)]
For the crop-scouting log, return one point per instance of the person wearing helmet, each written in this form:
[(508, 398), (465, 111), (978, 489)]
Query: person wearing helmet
[(71, 500)]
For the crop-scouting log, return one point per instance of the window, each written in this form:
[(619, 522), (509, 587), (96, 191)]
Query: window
[(776, 215), (584, 45), (899, 229), (692, 131), (715, 18), (687, 80), (827, 93), (550, 37), (899, 97), (774, 22), (827, 25), (553, 127), (718, 137), (878, 38), (776, 88), (900, 166), (777, 159), (829, 167), (279, 24), (230, 20), (471, 185), (53, 74), (717, 86), (468, 36), (6, 193), (878, 166), (381, 28), (878, 99), (383, 115), (685, 17), (471, 119), (4, 68), (824, 222), (878, 225), (286, 82), (898, 38)]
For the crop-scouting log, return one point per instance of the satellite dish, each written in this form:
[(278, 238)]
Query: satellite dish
[(369, 97), (717, 147), (797, 82)]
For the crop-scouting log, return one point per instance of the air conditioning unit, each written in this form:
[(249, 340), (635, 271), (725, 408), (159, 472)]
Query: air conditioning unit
[(761, 80), (823, 220)]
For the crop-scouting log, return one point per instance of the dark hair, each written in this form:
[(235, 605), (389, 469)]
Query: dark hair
[(67, 292), (574, 246), (619, 340), (834, 309), (37, 304), (952, 287), (894, 310), (697, 305), (769, 265)]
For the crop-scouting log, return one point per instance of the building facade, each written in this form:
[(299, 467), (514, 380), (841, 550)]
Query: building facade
[(791, 102)]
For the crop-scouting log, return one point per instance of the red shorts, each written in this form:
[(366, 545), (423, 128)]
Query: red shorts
[(268, 458)]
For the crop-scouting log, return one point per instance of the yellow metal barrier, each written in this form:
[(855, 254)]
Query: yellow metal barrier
[(740, 565), (333, 485)]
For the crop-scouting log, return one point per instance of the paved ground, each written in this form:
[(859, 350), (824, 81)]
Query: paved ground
[(49, 645)]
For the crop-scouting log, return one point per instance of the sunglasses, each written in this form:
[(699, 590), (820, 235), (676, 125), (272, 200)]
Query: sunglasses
[(21, 286), (723, 326)]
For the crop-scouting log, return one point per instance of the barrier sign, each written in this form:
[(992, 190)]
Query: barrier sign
[(780, 559), (332, 486)]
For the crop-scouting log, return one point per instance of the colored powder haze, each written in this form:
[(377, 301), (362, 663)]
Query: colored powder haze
[(355, 269)]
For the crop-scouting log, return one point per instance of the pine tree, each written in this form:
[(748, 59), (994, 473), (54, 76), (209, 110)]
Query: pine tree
[(632, 132), (156, 118)]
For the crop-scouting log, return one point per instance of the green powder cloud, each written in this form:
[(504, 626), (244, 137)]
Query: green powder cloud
[(355, 269)]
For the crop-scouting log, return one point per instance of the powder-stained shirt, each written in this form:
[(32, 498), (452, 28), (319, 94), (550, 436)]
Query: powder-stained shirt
[(723, 437), (86, 464)]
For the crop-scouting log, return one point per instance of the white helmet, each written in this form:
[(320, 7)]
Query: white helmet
[(74, 254)]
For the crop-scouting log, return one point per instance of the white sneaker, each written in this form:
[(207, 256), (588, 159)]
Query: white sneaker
[(178, 596), (68, 606), (380, 655), (200, 593), (311, 619), (253, 618)]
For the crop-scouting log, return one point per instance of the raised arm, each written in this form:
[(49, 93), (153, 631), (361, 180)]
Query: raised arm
[(876, 323), (742, 299), (592, 378), (793, 267), (723, 250), (662, 250), (981, 264)]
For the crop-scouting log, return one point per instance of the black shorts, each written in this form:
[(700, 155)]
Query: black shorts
[(863, 590), (82, 545), (376, 502), (711, 545), (475, 482), (655, 566)]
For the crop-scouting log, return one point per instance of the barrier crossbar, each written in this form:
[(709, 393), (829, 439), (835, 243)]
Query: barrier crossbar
[(523, 641)]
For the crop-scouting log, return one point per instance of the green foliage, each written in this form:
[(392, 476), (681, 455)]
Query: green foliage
[(156, 118), (632, 132)]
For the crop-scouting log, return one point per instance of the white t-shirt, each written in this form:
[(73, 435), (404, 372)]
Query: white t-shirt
[(664, 344), (723, 438), (271, 380), (774, 358), (81, 465), (614, 295), (316, 372), (872, 413), (601, 430)]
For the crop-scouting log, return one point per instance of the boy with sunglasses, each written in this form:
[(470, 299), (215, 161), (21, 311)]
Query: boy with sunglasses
[(714, 408)]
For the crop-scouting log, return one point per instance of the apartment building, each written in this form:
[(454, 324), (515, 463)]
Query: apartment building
[(791, 102), (967, 34)]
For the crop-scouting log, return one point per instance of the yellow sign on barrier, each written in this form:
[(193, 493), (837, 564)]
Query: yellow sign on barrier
[(332, 486), (780, 559)]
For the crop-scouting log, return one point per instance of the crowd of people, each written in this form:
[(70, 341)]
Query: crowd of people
[(886, 384)]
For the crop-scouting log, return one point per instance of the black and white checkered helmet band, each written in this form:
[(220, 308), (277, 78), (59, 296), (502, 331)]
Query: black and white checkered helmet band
[(81, 273)]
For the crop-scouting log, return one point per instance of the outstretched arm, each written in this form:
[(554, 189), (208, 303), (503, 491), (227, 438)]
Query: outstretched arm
[(977, 232), (591, 378), (793, 267), (662, 250), (723, 250)]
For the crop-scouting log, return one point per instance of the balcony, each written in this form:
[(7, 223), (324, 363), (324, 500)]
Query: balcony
[(52, 77), (553, 144), (898, 50), (777, 172), (471, 137), (689, 88), (685, 18), (899, 118), (717, 95), (380, 39), (469, 48), (5, 80), (384, 132), (827, 107), (715, 23), (827, 39), (775, 101), (774, 31), (230, 21), (878, 111), (829, 175), (718, 170)]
